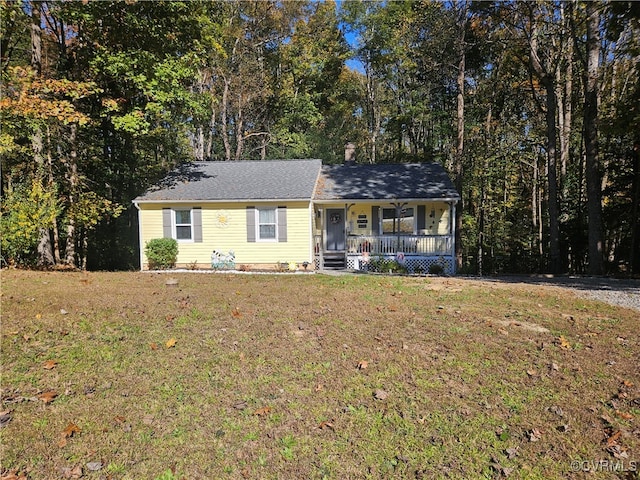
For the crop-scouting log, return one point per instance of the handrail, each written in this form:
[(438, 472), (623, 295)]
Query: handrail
[(407, 244)]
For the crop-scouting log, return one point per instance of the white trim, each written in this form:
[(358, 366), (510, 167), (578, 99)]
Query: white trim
[(175, 225), (140, 239), (259, 239), (202, 201), (414, 230), (383, 201)]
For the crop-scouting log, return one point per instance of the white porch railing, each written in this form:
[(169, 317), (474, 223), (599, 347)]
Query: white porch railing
[(407, 244), (426, 245)]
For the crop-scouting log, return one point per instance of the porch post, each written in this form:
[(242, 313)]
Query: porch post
[(452, 231)]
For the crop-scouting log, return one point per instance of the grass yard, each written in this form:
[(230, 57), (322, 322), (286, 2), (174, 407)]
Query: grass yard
[(121, 376)]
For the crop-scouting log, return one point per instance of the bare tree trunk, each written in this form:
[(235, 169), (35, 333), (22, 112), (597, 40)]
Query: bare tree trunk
[(594, 193), (459, 156), (263, 147), (56, 233), (239, 130), (634, 256), (224, 120), (212, 124), (373, 117), (547, 80), (45, 253), (36, 37), (565, 104), (199, 144), (552, 181), (73, 179)]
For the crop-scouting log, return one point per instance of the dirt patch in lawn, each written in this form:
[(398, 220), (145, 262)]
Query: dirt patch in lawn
[(121, 375)]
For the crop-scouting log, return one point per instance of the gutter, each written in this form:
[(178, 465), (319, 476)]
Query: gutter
[(202, 201)]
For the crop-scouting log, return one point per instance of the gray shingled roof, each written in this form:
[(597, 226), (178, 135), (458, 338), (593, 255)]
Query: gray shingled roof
[(301, 179), (243, 180), (384, 181)]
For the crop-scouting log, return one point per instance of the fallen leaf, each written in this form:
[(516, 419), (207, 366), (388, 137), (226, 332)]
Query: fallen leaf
[(14, 474), (48, 397), (5, 417), (319, 388), (94, 466), (511, 452), (627, 383), (170, 343), (261, 412), (380, 394), (240, 405), (71, 429), (625, 415), (74, 473), (50, 364), (557, 410), (68, 432), (153, 346), (362, 364), (534, 435), (613, 439), (236, 312), (532, 373), (324, 425), (564, 343)]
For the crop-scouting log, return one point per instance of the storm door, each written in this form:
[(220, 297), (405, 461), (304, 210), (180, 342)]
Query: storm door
[(335, 229)]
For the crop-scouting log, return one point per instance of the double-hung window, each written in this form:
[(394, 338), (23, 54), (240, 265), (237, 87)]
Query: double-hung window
[(267, 224), (183, 224)]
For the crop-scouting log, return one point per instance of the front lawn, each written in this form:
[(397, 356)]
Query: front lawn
[(122, 376)]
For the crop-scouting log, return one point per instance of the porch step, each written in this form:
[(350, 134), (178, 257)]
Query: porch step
[(334, 261)]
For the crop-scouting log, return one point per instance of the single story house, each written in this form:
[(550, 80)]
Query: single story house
[(265, 214)]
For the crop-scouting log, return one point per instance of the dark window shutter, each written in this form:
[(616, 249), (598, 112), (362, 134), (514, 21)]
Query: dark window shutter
[(282, 224), (375, 220), (196, 219), (422, 220), (166, 222), (251, 224)]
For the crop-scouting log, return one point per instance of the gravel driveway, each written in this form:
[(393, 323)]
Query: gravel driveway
[(624, 293)]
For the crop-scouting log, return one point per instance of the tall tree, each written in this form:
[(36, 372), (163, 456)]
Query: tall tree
[(594, 177)]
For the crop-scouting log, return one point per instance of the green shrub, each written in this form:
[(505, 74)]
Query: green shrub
[(436, 269), (27, 209), (385, 265), (161, 253)]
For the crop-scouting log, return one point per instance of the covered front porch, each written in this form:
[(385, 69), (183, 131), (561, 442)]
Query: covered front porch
[(415, 236)]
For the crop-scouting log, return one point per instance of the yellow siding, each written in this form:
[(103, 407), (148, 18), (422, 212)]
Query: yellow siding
[(438, 224), (359, 212), (224, 228)]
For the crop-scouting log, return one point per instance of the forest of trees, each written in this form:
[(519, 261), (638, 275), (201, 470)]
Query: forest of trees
[(532, 106)]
